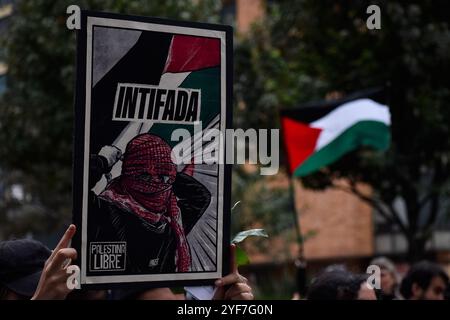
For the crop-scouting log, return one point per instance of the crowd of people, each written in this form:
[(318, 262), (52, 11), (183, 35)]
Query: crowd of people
[(424, 280), (29, 270)]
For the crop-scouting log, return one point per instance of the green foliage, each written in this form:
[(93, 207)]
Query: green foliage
[(308, 49), (36, 111), (260, 202), (241, 257), (263, 204), (302, 51)]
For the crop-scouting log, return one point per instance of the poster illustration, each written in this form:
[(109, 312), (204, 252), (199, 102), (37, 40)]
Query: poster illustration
[(141, 216)]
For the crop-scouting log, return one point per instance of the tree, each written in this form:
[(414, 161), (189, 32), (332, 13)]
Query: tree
[(305, 50), (36, 111)]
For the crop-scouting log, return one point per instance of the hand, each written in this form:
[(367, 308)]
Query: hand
[(53, 282), (233, 286), (111, 153)]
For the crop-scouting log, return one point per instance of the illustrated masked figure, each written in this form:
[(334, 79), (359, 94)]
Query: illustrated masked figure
[(146, 192)]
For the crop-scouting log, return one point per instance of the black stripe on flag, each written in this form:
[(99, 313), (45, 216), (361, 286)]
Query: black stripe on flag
[(149, 54), (312, 111)]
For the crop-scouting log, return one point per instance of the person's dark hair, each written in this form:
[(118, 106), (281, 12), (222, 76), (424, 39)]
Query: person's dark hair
[(362, 278), (421, 273), (21, 264), (335, 285)]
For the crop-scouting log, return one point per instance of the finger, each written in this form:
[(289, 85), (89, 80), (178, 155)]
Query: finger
[(229, 279), (233, 264), (243, 296), (234, 276), (237, 289), (60, 258), (243, 279), (219, 294), (65, 240)]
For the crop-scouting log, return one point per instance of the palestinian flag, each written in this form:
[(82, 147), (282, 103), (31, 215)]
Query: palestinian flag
[(319, 134)]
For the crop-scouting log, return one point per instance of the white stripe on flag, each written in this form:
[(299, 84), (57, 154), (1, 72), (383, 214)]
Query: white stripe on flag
[(173, 80), (346, 115)]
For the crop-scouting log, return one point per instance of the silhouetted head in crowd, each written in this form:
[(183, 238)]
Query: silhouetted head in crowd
[(365, 291), (21, 264), (336, 267), (389, 279), (424, 281), (340, 285)]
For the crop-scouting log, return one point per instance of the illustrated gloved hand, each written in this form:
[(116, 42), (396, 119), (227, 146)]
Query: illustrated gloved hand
[(111, 153)]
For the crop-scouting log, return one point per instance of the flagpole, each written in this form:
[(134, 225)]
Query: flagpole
[(300, 262), (296, 220)]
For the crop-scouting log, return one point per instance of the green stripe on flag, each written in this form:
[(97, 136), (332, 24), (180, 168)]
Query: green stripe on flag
[(364, 133), (208, 81)]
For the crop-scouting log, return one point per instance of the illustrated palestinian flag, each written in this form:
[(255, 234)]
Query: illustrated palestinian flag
[(193, 62), (318, 134), (169, 60)]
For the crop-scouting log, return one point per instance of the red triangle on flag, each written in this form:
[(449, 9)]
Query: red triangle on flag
[(189, 53), (299, 140)]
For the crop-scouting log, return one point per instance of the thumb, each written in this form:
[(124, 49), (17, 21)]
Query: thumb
[(219, 294)]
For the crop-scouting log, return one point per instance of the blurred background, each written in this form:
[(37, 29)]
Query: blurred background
[(286, 53)]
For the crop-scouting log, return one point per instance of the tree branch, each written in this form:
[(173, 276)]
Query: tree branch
[(433, 196), (426, 199), (366, 199), (390, 215), (434, 208), (396, 217)]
